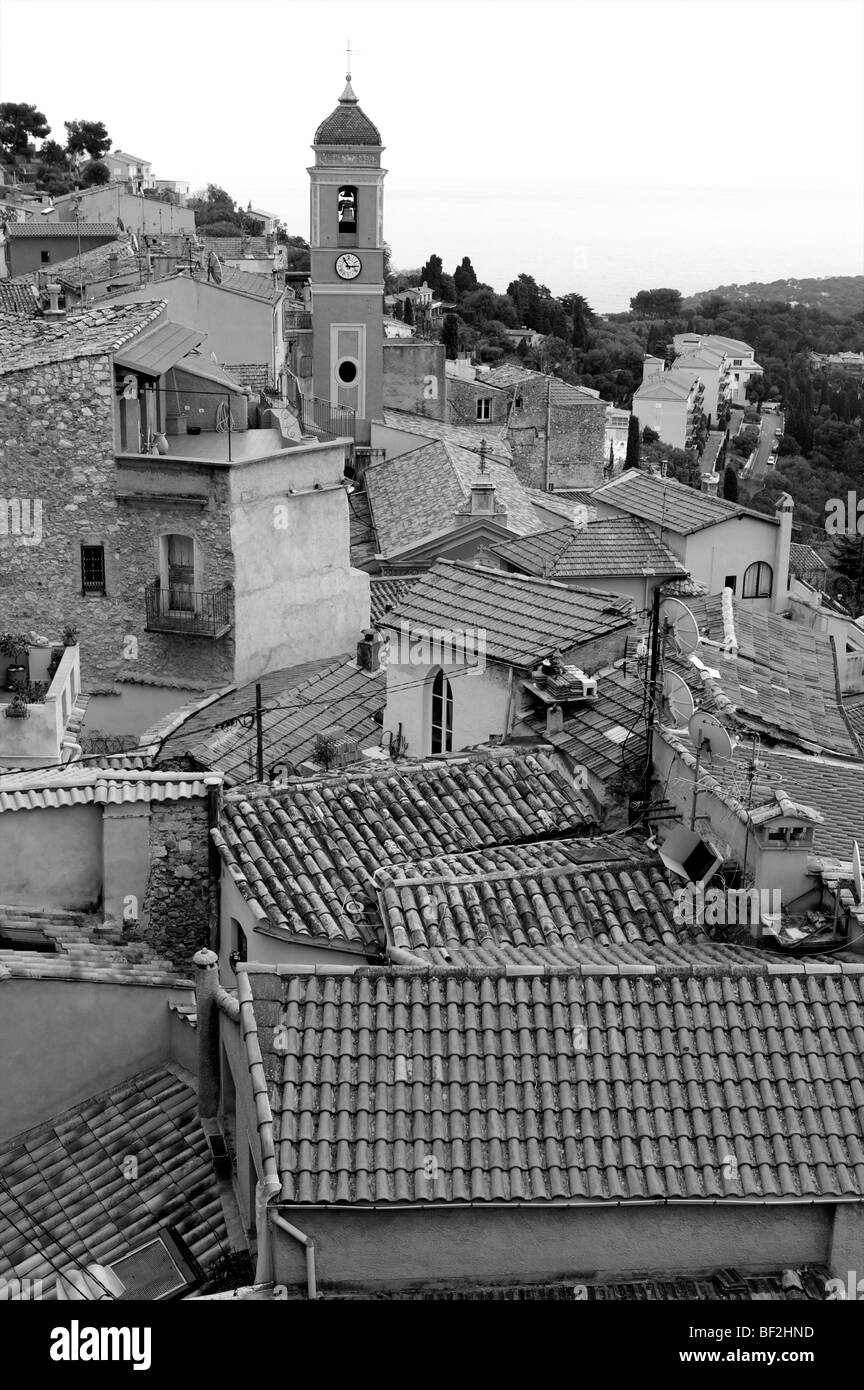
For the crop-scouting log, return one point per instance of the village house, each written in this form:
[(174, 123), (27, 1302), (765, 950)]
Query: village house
[(116, 202), (466, 642), (209, 552), (721, 544), (36, 244), (739, 360)]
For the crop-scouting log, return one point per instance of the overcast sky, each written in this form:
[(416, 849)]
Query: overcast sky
[(603, 146)]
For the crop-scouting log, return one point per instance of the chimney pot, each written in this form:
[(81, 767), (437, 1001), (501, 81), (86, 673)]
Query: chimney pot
[(554, 719), (367, 651)]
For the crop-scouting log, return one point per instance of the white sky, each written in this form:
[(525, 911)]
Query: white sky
[(597, 144)]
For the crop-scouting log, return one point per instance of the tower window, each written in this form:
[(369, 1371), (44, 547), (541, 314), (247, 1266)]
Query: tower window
[(347, 372), (347, 203)]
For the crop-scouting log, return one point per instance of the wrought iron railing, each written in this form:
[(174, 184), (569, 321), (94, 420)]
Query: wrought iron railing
[(192, 612), (296, 321), (325, 418)]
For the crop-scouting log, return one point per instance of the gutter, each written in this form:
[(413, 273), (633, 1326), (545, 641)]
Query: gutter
[(306, 1241)]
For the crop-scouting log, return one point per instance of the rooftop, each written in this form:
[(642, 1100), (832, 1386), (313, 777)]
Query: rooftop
[(415, 497), (307, 854), (614, 546), (37, 228), (348, 124), (81, 784), (386, 591), (781, 681), (63, 1182), (735, 1084), (465, 436), (525, 619), (83, 949), (602, 735), (100, 329), (300, 703), (17, 298), (90, 266), (561, 392), (672, 505)]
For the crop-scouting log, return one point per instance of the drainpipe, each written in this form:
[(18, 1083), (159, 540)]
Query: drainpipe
[(548, 429), (265, 1264), (206, 985), (308, 1243)]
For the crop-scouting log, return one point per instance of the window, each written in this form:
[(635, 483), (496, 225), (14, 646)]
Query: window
[(737, 361), (442, 714), (758, 580), (347, 372), (92, 569), (45, 257), (347, 203), (238, 944), (484, 408), (518, 402), (730, 581), (179, 564)]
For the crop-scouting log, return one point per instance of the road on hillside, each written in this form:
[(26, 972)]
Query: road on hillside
[(767, 444)]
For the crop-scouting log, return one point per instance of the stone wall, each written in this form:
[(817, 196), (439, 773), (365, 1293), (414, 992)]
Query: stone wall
[(181, 893), (57, 449), (462, 397), (577, 439)]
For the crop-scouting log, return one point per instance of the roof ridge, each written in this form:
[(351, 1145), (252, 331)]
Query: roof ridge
[(734, 969)]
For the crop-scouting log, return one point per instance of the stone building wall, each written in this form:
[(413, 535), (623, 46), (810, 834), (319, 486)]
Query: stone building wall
[(57, 449), (462, 397), (577, 440), (180, 904)]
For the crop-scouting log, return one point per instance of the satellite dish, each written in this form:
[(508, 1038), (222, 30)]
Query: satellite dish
[(679, 625), (214, 269), (856, 873), (677, 706), (705, 728)]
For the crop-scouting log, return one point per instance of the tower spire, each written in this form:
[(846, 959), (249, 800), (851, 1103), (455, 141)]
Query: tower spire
[(348, 94)]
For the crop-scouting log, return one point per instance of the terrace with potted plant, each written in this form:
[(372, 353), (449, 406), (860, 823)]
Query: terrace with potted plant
[(40, 684)]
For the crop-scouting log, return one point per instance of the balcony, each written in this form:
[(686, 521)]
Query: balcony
[(326, 420), (35, 734), (188, 612), (296, 321)]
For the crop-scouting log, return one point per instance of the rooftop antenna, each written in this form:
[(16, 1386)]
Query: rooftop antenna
[(679, 625), (678, 705)]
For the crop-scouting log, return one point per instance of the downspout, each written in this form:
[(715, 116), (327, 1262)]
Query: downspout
[(548, 428), (307, 1242), (265, 1264)]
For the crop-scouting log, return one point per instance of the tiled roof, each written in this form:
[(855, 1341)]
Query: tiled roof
[(671, 504), (305, 851), (250, 282), (386, 591), (663, 387), (561, 392), (65, 1200), (16, 298), (39, 230), (416, 496), (347, 125), (80, 785), (525, 619), (781, 682), (560, 904), (602, 735), (610, 1085), (103, 328), (466, 436), (299, 704), (716, 1287), (83, 950), (804, 560), (91, 266), (620, 545), (233, 247)]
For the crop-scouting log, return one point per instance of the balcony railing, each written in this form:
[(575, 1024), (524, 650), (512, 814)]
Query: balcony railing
[(326, 419), (296, 321), (192, 612)]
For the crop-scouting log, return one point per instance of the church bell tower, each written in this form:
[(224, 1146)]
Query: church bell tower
[(347, 277)]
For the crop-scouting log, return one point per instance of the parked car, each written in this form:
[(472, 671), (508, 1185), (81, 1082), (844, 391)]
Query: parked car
[(772, 459)]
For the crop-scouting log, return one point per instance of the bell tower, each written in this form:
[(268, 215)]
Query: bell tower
[(347, 277)]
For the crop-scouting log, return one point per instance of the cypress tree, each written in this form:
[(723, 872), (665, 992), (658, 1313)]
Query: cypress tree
[(632, 458)]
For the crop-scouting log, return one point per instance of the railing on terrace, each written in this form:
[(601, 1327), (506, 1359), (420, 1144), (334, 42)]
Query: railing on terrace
[(297, 320), (326, 419), (191, 612)]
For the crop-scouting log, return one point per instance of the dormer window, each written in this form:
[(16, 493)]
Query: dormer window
[(347, 205)]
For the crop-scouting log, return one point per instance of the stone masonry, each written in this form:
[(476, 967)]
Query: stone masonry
[(180, 902), (57, 445)]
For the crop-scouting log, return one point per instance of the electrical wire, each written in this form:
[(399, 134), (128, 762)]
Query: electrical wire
[(53, 1239)]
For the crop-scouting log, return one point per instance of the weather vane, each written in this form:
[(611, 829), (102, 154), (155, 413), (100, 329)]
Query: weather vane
[(348, 61)]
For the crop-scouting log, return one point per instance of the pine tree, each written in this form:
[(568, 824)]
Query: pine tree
[(730, 484), (632, 457), (450, 336)]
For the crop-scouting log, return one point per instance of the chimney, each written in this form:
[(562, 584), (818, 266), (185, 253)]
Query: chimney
[(206, 984), (780, 592), (554, 719), (113, 262), (54, 311), (710, 483), (367, 651)]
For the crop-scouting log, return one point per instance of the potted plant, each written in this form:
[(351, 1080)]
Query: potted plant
[(69, 635), (17, 707), (14, 645)]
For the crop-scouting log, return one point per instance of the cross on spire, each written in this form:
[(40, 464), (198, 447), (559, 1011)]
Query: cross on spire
[(348, 61), (482, 456)]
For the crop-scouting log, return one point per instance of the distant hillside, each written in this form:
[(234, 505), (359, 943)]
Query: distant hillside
[(842, 295)]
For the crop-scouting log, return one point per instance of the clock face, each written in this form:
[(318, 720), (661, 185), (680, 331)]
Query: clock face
[(348, 267)]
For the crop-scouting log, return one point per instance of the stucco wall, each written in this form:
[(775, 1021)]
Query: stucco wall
[(25, 253), (238, 328), (349, 309), (64, 1041), (296, 596), (414, 377), (261, 947), (668, 418), (51, 858), (377, 1249), (138, 215), (479, 705)]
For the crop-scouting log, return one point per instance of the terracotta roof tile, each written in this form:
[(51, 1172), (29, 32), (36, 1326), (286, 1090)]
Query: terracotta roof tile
[(66, 1202), (674, 505), (576, 1140), (39, 230), (101, 329), (524, 619), (614, 546)]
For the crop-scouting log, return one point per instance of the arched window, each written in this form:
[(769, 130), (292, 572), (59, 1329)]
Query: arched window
[(758, 580), (347, 203), (442, 714)]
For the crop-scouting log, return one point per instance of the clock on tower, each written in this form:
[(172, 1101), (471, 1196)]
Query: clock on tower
[(347, 277)]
